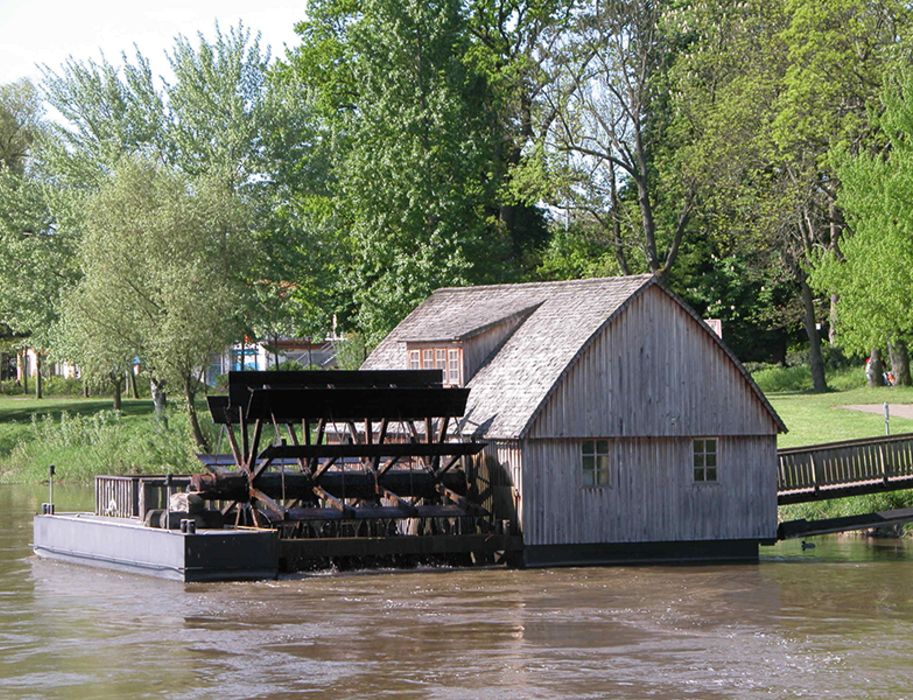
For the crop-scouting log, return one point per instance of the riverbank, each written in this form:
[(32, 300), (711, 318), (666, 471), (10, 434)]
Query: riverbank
[(85, 437)]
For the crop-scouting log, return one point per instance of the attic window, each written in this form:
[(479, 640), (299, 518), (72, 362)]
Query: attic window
[(447, 359)]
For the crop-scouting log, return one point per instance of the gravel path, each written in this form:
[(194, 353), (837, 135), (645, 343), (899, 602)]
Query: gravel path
[(899, 410)]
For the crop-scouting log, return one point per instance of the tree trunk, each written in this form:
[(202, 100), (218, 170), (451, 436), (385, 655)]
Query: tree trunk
[(24, 359), (116, 386), (900, 362), (131, 383), (832, 322), (85, 388), (874, 370), (189, 396), (39, 383), (815, 358), (157, 387)]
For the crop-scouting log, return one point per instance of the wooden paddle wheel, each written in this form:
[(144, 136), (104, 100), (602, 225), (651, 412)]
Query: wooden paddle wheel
[(358, 468)]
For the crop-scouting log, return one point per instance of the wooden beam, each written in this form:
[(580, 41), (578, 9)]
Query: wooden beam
[(401, 503), (461, 501), (333, 501), (388, 449)]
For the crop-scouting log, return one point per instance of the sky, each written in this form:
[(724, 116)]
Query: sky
[(47, 32)]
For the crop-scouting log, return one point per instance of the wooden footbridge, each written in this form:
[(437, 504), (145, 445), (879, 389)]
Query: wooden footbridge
[(841, 469)]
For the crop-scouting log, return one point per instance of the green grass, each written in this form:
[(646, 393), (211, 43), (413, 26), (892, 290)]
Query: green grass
[(815, 418), (84, 437)]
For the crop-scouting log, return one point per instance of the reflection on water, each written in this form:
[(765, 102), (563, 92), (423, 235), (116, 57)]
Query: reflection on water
[(835, 621)]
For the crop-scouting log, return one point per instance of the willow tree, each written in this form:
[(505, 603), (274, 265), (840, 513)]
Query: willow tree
[(183, 294)]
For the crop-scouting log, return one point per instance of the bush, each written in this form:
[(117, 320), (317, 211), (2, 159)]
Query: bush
[(63, 386), (11, 387), (777, 378)]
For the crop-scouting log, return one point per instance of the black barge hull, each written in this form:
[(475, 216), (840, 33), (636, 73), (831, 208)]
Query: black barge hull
[(124, 544)]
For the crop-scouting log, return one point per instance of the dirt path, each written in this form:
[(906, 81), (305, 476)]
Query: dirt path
[(897, 410)]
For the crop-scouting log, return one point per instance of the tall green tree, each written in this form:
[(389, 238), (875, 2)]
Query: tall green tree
[(872, 273), (408, 186), (183, 296), (206, 122), (21, 123), (36, 263)]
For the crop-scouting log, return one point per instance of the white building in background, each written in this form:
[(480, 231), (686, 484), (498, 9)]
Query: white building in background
[(25, 364), (262, 355)]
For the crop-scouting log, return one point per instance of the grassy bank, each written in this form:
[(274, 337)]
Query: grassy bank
[(814, 418), (84, 437)]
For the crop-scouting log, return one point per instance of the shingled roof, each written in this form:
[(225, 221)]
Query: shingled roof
[(562, 317)]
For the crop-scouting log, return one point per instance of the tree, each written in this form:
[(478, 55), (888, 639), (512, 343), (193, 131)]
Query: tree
[(206, 123), (36, 264), (183, 296), (613, 117), (872, 274), (405, 196), (21, 124)]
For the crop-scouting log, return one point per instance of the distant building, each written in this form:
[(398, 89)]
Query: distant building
[(619, 426), (263, 355), (24, 364)]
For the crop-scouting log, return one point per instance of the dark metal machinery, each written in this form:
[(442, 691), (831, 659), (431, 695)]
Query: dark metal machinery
[(356, 465)]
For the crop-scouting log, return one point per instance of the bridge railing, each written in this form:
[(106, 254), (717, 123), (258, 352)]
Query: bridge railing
[(846, 463)]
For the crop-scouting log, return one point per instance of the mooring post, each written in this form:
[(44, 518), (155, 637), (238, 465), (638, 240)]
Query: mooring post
[(887, 419), (51, 470), (167, 502)]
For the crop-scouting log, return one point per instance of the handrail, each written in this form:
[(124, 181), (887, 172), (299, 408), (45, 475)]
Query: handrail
[(847, 467)]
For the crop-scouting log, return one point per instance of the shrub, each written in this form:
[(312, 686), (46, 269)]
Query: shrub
[(11, 387), (63, 386), (778, 378)]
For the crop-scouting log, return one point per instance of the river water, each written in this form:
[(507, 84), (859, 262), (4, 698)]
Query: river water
[(834, 621)]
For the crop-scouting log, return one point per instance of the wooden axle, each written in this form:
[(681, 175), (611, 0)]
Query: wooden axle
[(407, 483)]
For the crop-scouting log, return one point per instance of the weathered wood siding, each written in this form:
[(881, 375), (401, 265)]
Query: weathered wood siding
[(654, 371), (499, 474), (652, 496)]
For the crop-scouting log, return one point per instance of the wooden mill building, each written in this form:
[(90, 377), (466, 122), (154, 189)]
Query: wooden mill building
[(618, 426)]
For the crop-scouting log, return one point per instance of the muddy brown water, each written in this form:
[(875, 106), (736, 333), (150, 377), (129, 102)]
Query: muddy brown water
[(835, 621)]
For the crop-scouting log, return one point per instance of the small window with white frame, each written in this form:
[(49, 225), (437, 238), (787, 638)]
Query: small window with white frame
[(594, 456), (447, 359), (454, 365), (704, 451)]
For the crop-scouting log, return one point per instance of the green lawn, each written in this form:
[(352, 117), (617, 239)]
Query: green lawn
[(813, 418)]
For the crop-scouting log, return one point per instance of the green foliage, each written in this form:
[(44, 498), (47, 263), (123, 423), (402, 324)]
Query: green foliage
[(165, 267), (36, 259), (872, 273), (774, 379), (21, 124), (350, 352), (103, 442)]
